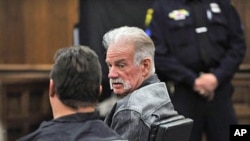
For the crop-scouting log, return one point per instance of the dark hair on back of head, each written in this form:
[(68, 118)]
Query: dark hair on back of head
[(77, 76)]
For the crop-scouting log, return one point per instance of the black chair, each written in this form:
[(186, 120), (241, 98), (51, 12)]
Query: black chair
[(176, 128)]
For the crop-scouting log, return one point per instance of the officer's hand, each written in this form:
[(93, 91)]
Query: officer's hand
[(205, 85), (210, 96), (209, 81), (203, 92)]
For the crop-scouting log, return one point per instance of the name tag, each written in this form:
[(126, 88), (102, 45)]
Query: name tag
[(201, 29)]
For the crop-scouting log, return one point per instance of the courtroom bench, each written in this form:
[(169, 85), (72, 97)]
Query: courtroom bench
[(24, 101)]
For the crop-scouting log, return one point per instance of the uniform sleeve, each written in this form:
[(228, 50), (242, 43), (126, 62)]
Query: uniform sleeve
[(236, 47), (127, 123), (167, 65)]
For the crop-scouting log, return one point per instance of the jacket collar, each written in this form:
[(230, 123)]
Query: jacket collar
[(152, 79)]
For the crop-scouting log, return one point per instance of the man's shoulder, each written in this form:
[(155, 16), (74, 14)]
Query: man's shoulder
[(150, 91), (145, 98), (44, 136), (89, 130)]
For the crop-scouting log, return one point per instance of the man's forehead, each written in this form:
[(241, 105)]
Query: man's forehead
[(120, 60), (116, 60)]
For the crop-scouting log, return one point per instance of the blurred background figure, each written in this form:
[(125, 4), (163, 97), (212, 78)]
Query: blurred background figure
[(199, 47)]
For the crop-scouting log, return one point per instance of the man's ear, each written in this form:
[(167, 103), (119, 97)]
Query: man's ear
[(100, 90), (146, 66), (52, 91)]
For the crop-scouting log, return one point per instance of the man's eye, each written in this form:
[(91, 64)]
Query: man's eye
[(121, 66), (109, 66)]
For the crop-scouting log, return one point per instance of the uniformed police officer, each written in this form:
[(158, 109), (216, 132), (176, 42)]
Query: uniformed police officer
[(199, 46)]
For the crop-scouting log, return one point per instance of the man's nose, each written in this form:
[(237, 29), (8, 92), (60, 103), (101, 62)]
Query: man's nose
[(113, 72)]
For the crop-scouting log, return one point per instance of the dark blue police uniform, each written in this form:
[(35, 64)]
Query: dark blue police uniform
[(181, 36)]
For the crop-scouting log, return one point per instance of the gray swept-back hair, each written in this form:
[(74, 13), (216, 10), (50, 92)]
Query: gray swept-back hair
[(144, 46)]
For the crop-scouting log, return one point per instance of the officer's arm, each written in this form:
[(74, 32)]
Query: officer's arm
[(167, 65), (236, 47)]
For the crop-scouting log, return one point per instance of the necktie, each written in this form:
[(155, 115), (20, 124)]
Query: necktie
[(206, 49)]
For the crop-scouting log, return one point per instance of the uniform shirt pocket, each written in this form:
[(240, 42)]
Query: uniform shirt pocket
[(218, 28)]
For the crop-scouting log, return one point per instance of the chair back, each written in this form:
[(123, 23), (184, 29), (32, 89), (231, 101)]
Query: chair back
[(176, 128)]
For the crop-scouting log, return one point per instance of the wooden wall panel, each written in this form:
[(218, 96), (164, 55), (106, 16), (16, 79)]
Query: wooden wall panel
[(12, 38), (2, 29), (32, 30), (242, 7)]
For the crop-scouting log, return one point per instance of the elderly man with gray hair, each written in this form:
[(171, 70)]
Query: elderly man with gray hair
[(143, 98)]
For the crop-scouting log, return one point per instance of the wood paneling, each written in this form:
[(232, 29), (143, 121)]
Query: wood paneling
[(242, 7), (11, 32), (241, 97), (24, 100), (32, 30)]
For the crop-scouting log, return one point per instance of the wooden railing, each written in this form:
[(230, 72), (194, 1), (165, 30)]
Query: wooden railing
[(24, 101)]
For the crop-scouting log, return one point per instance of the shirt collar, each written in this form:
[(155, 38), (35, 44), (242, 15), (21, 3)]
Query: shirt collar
[(77, 117)]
